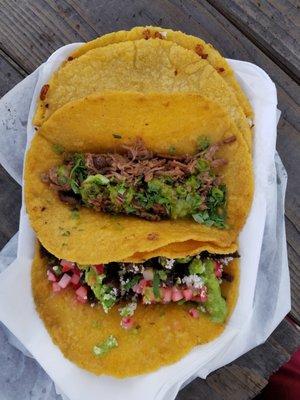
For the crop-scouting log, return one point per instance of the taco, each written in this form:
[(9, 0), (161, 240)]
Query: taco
[(143, 66), (161, 210), (204, 50), (124, 319)]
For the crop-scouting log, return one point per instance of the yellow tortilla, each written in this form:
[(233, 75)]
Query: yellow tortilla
[(203, 49), (181, 249), (166, 334), (162, 120), (143, 66)]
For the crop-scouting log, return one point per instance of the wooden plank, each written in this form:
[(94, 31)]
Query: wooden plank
[(273, 25), (10, 193), (10, 73), (10, 204), (248, 374), (32, 30)]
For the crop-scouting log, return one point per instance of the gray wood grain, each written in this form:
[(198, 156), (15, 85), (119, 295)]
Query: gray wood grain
[(273, 25)]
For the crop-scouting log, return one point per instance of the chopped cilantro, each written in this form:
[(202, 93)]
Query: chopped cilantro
[(132, 282), (184, 260), (156, 282), (117, 136), (103, 348), (128, 310), (203, 143), (172, 150), (74, 214), (58, 149), (57, 270), (202, 165), (162, 275)]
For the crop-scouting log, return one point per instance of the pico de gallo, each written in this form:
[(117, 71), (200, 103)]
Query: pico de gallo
[(193, 280)]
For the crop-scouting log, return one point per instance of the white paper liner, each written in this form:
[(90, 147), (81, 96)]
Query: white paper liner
[(262, 243)]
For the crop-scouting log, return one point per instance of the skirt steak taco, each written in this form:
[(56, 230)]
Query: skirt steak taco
[(118, 169)]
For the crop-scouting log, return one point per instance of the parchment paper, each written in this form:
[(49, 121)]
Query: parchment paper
[(264, 287)]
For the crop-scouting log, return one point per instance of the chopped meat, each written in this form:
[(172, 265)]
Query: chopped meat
[(69, 198)]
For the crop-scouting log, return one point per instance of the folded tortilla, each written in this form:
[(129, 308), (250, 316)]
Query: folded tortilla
[(143, 66), (162, 120), (204, 50), (166, 331)]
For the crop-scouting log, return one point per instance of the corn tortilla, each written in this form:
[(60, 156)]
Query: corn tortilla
[(189, 42), (181, 249), (162, 120), (143, 66), (166, 333)]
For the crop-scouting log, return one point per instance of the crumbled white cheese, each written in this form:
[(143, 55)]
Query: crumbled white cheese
[(169, 263), (164, 34), (193, 281), (226, 260)]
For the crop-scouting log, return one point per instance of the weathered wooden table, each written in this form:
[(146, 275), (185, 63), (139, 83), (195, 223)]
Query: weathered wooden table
[(263, 32)]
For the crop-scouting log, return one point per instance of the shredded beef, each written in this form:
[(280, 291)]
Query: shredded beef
[(134, 166), (140, 163)]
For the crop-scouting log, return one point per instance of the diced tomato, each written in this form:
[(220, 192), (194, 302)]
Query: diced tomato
[(218, 269), (81, 300), (188, 294), (77, 270), (127, 322), (64, 281), (167, 294), (176, 294), (201, 297), (55, 287), (67, 265), (99, 268), (51, 276), (194, 313), (75, 279), (139, 287), (197, 299), (82, 292), (75, 287), (144, 284)]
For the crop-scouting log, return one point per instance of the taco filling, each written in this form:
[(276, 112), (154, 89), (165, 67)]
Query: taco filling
[(193, 281), (144, 184)]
